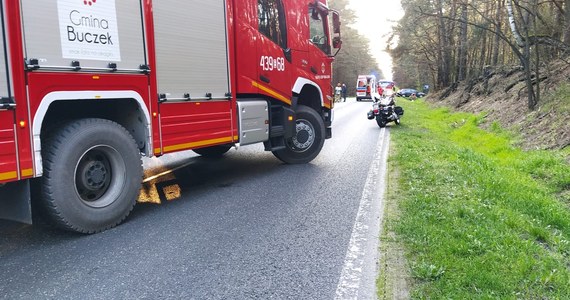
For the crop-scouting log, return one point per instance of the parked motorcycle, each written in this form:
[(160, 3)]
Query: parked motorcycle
[(384, 110)]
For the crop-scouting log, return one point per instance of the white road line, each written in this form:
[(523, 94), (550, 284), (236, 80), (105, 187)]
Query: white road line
[(358, 277)]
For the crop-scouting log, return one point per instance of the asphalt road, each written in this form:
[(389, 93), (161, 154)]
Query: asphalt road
[(242, 227)]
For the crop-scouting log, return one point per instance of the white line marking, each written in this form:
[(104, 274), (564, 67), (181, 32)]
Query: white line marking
[(359, 273)]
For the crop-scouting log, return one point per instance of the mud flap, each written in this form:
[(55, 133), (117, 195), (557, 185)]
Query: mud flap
[(15, 202), (283, 127)]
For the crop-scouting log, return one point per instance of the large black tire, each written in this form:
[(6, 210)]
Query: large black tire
[(213, 151), (308, 141), (92, 175)]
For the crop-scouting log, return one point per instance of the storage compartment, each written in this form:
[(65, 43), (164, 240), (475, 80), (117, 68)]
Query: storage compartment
[(191, 49), (94, 34), (253, 122)]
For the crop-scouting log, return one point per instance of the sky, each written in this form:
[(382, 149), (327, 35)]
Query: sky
[(375, 21)]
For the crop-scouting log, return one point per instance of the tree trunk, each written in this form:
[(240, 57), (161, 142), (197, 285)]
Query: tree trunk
[(443, 72), (567, 22), (496, 43), (537, 61), (525, 56), (483, 52), (512, 23), (462, 67)]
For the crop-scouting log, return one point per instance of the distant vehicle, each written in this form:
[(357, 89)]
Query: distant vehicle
[(387, 84), (387, 87), (408, 92), (365, 87)]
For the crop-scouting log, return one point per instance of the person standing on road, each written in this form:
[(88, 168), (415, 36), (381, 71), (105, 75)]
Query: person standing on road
[(344, 92), (337, 92)]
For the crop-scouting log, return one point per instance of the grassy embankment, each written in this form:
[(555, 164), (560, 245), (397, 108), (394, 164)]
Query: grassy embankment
[(476, 217)]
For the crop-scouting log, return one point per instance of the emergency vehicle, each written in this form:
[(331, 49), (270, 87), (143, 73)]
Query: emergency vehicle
[(388, 86), (89, 86), (365, 87)]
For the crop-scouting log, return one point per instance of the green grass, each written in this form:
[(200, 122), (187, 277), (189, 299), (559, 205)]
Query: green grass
[(478, 218)]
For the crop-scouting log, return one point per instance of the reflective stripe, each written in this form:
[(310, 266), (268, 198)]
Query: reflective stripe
[(27, 172), (8, 175), (271, 92), (195, 144)]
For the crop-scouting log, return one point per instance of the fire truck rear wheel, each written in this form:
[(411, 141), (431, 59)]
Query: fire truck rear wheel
[(308, 141), (92, 175), (213, 151)]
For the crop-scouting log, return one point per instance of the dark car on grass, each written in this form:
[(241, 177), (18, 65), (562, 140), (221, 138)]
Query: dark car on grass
[(408, 92)]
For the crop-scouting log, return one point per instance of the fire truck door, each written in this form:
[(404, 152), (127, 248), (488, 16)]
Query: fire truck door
[(273, 53), (8, 162)]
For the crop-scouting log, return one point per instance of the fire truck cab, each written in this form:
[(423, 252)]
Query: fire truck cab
[(88, 86)]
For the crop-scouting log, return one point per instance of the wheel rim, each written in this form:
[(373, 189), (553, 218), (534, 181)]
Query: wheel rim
[(304, 137), (99, 176)]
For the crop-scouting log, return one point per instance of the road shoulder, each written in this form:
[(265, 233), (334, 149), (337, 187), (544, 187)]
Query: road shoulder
[(360, 268), (394, 278)]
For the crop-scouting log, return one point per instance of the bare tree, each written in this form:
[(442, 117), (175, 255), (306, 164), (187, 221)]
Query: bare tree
[(454, 40), (444, 53), (462, 66), (497, 38), (567, 22)]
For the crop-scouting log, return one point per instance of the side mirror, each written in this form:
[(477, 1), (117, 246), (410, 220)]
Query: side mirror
[(336, 22), (315, 14), (336, 41)]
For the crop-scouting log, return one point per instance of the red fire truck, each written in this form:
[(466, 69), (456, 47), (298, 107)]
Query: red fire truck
[(89, 86)]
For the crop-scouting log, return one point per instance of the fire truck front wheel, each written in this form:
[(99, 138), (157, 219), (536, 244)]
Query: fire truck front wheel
[(308, 140), (92, 175)]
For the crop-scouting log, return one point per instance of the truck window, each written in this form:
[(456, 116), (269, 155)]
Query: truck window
[(272, 21), (318, 32)]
